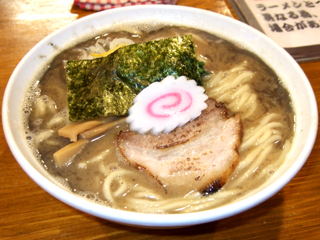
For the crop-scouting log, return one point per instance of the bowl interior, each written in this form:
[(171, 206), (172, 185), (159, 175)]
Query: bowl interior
[(286, 68)]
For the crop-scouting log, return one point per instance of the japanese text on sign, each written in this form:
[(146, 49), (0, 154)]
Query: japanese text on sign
[(289, 23)]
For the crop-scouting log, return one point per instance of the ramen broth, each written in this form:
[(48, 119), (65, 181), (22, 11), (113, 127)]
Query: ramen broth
[(87, 173)]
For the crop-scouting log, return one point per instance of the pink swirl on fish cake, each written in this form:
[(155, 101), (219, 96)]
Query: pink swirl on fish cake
[(166, 105), (177, 96)]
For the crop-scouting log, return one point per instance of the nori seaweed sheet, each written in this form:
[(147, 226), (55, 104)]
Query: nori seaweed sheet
[(107, 86)]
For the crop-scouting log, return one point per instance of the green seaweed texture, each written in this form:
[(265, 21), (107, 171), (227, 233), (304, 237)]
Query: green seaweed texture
[(107, 86)]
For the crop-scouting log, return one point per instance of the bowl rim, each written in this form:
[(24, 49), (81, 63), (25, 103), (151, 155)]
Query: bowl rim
[(147, 219)]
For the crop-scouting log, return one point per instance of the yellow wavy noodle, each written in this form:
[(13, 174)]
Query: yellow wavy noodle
[(233, 88), (143, 199), (44, 105)]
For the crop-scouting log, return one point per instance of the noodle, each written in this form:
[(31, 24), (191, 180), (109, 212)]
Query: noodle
[(122, 186), (44, 104), (263, 136), (140, 198), (231, 87)]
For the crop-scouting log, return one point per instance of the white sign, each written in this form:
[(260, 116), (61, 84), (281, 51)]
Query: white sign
[(289, 23)]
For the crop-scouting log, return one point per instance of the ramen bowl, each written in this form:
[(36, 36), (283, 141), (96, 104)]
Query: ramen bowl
[(291, 75)]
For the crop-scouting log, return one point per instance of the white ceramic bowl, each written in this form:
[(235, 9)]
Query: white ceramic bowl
[(293, 77)]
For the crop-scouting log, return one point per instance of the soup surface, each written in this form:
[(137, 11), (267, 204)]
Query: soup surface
[(235, 77)]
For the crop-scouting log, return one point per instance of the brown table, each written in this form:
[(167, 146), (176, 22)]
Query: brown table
[(28, 212)]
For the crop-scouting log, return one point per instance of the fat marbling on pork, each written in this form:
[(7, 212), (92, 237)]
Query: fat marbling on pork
[(201, 155)]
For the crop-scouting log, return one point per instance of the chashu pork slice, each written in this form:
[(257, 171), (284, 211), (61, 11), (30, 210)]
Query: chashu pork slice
[(201, 155)]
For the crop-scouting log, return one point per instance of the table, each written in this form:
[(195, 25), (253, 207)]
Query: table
[(28, 212)]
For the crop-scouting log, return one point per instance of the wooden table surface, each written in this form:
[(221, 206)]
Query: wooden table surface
[(28, 212)]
